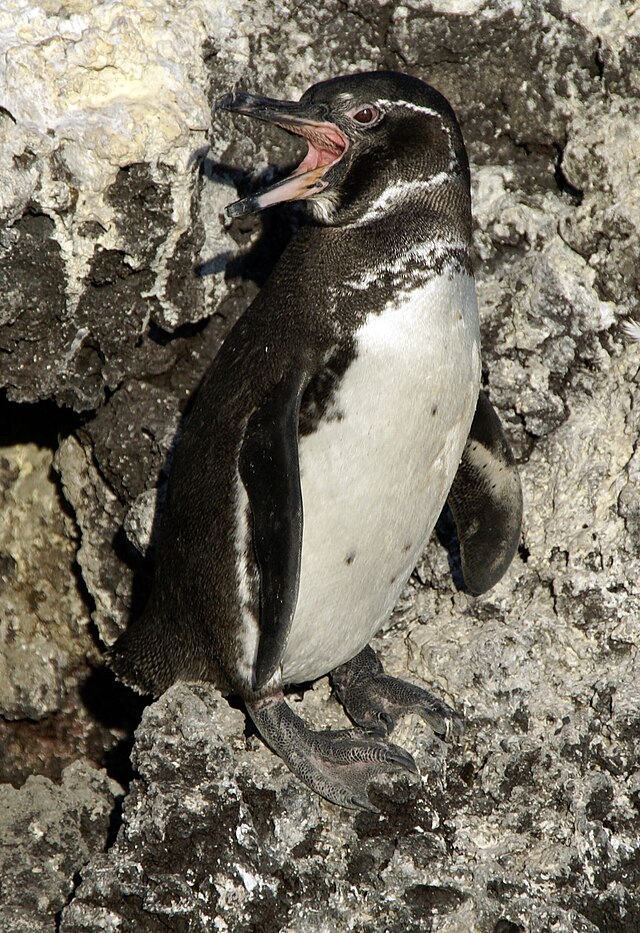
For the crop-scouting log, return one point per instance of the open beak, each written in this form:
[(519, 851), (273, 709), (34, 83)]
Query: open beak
[(326, 146)]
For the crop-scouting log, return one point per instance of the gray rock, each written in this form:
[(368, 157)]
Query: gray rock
[(234, 849), (100, 514), (109, 208), (44, 622), (49, 831)]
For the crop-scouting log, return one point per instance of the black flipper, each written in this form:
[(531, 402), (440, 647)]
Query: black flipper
[(271, 475), (486, 501)]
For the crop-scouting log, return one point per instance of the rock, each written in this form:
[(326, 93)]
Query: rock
[(44, 636), (48, 833), (120, 278), (233, 848), (100, 514), (100, 186)]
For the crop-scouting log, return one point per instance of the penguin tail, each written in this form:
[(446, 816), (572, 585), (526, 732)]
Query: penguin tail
[(139, 660)]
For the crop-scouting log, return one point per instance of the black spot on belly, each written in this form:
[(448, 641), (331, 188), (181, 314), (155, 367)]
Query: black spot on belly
[(434, 410), (319, 398), (349, 559), (407, 548), (392, 580)]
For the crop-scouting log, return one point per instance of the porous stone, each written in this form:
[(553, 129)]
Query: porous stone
[(44, 636), (49, 831), (121, 277), (104, 116), (233, 850), (100, 514)]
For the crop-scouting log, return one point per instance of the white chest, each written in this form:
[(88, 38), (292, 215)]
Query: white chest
[(375, 478)]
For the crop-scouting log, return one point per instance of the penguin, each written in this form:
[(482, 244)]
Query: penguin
[(341, 414)]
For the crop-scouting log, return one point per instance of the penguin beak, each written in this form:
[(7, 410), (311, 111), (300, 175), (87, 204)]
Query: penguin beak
[(326, 143)]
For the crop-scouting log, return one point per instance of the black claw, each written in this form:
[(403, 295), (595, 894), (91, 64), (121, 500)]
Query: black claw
[(387, 722), (376, 730), (452, 727), (406, 760), (362, 803)]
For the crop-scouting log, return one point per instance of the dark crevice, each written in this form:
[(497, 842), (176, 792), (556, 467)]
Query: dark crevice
[(184, 332), (113, 706), (76, 881), (563, 183), (115, 822), (598, 58), (524, 553), (7, 113), (42, 423)]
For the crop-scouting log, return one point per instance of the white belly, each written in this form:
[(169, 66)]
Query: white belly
[(374, 480)]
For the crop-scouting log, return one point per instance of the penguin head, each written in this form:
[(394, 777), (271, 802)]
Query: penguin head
[(375, 140)]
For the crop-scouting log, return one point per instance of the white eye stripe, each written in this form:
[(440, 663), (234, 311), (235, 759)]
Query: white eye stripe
[(398, 193), (428, 111)]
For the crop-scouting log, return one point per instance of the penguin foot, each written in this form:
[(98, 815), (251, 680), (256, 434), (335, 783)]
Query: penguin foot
[(375, 701), (337, 765)]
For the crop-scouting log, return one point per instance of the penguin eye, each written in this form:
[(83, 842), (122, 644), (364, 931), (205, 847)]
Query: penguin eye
[(366, 114)]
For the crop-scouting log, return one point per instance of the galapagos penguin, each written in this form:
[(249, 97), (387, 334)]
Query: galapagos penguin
[(340, 415)]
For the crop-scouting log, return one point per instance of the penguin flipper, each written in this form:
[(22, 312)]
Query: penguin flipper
[(270, 472), (486, 501)]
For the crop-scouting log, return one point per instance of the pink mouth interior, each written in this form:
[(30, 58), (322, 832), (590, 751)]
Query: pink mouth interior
[(326, 145)]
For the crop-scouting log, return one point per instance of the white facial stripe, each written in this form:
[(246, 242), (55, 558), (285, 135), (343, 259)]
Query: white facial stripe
[(324, 204), (414, 257), (409, 106), (396, 194), (427, 111)]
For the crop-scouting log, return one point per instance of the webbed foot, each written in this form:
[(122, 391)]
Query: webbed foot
[(375, 701), (337, 765)]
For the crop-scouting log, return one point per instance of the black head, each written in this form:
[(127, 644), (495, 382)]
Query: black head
[(374, 139)]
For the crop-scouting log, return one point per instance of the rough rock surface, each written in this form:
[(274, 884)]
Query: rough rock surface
[(49, 831), (43, 636), (120, 277)]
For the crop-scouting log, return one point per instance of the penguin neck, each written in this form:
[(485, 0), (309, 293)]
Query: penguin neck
[(365, 264), (441, 200)]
